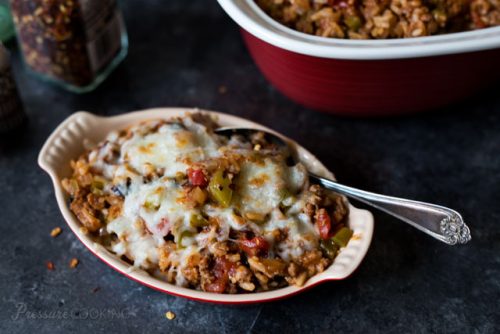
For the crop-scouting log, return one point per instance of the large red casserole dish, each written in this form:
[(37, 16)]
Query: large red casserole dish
[(368, 77)]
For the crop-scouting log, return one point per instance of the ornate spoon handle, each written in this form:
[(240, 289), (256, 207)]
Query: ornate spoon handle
[(442, 223)]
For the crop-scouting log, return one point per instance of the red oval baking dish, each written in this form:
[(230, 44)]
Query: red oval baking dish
[(69, 140), (368, 77)]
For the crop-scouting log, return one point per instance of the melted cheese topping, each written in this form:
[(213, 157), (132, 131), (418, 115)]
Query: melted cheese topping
[(134, 242), (261, 186), (172, 148)]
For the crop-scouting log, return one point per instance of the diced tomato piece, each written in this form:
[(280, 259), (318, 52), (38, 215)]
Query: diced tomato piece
[(323, 223), (255, 246), (197, 177), (223, 267), (221, 270), (216, 287)]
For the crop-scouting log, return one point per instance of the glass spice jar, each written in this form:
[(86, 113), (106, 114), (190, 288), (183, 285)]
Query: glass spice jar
[(76, 43), (11, 109)]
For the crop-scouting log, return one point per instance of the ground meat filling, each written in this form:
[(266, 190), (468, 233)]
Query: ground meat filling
[(380, 19), (223, 215)]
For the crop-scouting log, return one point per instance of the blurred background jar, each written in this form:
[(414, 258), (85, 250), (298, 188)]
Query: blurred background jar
[(6, 24), (75, 43), (11, 109)]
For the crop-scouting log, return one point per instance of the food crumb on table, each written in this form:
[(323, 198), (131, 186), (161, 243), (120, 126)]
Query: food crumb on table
[(170, 315), (50, 265), (73, 263), (222, 89), (55, 232)]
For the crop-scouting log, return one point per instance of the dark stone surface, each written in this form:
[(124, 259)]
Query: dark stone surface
[(181, 52)]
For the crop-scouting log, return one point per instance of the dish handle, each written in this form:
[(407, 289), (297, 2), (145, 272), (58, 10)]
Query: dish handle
[(67, 140)]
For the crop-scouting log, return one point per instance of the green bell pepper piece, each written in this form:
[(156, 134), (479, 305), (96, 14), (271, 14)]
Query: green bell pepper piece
[(219, 188), (329, 248), (342, 236), (198, 220), (184, 235)]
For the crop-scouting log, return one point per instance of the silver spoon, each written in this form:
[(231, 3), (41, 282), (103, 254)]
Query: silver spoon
[(442, 223)]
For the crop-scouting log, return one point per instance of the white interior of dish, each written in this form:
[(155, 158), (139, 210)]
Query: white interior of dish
[(66, 143), (251, 18)]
